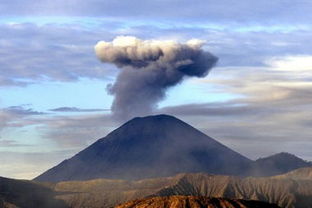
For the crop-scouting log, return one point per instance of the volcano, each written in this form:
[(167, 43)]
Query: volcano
[(149, 147)]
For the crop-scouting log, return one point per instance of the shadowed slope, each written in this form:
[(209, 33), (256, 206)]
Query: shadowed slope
[(147, 147), (27, 194)]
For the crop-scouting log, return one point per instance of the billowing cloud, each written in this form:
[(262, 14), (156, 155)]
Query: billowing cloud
[(148, 69)]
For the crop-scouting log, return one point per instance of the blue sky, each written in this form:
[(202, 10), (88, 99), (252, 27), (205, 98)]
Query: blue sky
[(53, 96)]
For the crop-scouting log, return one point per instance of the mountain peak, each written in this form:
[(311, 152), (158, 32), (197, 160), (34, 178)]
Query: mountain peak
[(160, 119), (151, 146), (156, 120), (158, 116), (281, 156), (279, 163)]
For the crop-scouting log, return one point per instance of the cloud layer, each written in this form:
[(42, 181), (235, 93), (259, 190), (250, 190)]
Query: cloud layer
[(243, 11)]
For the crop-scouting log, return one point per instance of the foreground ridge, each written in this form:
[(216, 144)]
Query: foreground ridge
[(194, 202), (287, 192)]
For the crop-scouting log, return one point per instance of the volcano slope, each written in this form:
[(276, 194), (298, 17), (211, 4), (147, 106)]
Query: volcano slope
[(147, 147), (194, 202)]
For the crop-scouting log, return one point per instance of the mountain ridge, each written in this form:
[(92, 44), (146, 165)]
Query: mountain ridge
[(286, 192), (289, 190)]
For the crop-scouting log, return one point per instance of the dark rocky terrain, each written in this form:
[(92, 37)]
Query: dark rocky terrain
[(194, 202)]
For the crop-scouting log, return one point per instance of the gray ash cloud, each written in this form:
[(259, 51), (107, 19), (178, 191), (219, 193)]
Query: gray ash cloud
[(148, 68)]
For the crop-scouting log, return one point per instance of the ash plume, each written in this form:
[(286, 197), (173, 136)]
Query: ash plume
[(148, 69)]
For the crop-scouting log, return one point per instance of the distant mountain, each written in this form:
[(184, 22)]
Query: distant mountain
[(277, 164), (27, 194), (152, 146), (194, 202)]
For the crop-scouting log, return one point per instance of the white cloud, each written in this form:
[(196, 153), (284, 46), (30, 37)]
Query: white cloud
[(298, 63)]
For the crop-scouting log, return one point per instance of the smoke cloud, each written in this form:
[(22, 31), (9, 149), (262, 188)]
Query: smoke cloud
[(148, 69)]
